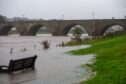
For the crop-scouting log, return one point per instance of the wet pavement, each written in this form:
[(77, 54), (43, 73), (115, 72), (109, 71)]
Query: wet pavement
[(53, 65)]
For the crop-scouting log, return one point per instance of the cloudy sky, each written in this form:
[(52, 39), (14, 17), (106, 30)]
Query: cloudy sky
[(67, 9)]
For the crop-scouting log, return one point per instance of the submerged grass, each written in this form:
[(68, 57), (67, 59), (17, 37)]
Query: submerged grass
[(110, 64), (77, 43)]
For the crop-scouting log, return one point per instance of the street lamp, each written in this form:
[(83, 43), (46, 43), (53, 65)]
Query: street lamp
[(93, 15), (63, 17)]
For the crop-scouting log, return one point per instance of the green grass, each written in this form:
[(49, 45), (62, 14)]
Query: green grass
[(110, 64)]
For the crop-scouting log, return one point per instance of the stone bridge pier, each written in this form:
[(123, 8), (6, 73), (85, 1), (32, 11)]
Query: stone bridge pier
[(61, 27)]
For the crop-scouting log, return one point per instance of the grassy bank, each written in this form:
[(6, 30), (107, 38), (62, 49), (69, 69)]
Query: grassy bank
[(110, 64)]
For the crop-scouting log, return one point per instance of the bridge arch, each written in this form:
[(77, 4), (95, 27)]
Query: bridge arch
[(113, 28), (43, 31), (35, 28), (9, 30), (71, 26)]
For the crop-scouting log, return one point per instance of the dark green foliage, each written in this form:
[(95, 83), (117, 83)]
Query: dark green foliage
[(77, 32), (2, 18)]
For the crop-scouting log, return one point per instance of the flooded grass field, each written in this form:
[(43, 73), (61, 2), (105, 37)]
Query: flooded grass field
[(53, 65)]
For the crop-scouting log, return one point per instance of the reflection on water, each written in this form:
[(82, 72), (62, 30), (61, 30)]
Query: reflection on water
[(53, 66)]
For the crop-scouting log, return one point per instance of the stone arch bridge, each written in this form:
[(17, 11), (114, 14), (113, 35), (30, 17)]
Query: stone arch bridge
[(61, 27)]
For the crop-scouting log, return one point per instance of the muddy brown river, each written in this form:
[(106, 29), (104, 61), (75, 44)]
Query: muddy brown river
[(53, 65)]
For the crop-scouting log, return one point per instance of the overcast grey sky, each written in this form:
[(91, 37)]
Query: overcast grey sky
[(71, 9)]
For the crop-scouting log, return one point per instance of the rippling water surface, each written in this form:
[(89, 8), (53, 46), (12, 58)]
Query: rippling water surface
[(53, 65)]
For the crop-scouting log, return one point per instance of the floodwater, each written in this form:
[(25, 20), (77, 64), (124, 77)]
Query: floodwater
[(53, 65)]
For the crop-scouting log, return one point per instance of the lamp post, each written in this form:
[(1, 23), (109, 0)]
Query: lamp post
[(63, 17), (93, 15), (93, 22), (23, 17)]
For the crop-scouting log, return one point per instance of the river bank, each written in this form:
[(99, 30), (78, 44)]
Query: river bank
[(110, 60)]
